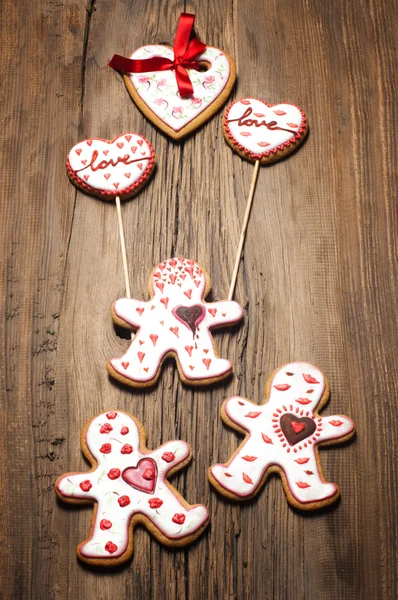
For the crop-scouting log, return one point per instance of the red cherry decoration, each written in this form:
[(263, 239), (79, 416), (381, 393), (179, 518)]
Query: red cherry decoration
[(111, 415), (123, 501), (124, 430), (168, 456), (155, 502), (110, 547), (106, 428), (148, 474), (178, 518), (86, 485), (105, 524), (114, 474), (126, 449), (106, 448)]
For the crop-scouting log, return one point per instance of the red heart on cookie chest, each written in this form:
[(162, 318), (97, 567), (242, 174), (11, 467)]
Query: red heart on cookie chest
[(109, 168), (142, 477), (295, 430), (156, 92), (264, 132)]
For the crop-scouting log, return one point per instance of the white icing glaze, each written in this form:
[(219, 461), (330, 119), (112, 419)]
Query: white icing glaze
[(267, 445), (250, 131), (159, 91), (132, 156), (177, 282), (106, 492)]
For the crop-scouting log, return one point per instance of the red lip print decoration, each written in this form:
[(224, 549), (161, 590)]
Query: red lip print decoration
[(253, 415), (302, 485), (336, 423), (303, 401), (190, 316), (143, 477), (309, 378), (246, 478), (295, 430), (301, 461), (98, 167), (282, 387)]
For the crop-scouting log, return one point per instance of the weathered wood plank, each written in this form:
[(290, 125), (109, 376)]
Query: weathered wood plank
[(318, 279)]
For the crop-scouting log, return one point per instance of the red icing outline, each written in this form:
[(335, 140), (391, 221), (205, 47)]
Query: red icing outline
[(293, 140), (125, 192)]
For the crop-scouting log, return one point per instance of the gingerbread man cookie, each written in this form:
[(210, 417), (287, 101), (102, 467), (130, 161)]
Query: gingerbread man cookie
[(128, 485), (176, 321), (283, 436)]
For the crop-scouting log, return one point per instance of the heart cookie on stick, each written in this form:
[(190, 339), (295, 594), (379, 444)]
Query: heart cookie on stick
[(258, 131), (112, 170), (261, 133), (178, 88)]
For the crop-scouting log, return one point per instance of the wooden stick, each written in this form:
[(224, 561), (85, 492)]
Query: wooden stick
[(243, 232), (123, 247), (124, 254)]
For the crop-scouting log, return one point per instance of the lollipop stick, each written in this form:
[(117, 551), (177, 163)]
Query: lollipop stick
[(244, 229), (123, 247)]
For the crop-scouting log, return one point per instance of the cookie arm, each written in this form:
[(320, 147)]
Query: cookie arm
[(130, 311), (223, 312), (171, 454), (241, 411), (335, 427)]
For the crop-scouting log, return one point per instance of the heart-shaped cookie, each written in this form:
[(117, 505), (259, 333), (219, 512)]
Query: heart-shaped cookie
[(258, 131), (107, 169), (142, 477), (156, 93)]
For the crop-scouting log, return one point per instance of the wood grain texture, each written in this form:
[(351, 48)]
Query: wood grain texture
[(319, 282)]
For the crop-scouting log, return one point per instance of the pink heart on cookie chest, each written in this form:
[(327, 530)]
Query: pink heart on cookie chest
[(111, 168), (261, 130), (157, 95), (142, 477)]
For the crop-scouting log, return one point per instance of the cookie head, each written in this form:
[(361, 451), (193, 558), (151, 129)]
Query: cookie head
[(181, 280), (299, 384)]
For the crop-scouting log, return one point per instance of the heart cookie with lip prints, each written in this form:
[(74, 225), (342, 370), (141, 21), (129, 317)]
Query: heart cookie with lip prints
[(260, 131), (157, 96), (107, 169)]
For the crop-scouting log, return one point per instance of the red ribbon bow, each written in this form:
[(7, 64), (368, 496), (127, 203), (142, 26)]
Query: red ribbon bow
[(185, 51)]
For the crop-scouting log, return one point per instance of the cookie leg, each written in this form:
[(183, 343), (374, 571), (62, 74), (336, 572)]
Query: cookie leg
[(110, 534), (201, 365), (243, 474), (139, 364), (305, 483), (171, 517)]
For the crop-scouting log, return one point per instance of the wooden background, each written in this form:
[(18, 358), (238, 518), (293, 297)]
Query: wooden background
[(318, 281)]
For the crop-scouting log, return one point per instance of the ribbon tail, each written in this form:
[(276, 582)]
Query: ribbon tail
[(184, 83), (183, 33), (131, 65)]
